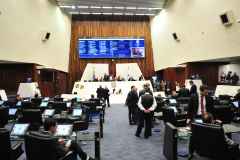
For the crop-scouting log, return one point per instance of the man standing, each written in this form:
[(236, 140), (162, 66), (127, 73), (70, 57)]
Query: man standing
[(131, 102), (167, 88), (37, 91), (193, 89), (106, 77), (237, 96), (235, 79), (142, 92), (146, 104), (183, 92), (106, 95), (197, 106), (100, 92)]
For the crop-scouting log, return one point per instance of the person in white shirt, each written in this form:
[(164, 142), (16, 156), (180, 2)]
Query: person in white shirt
[(37, 91)]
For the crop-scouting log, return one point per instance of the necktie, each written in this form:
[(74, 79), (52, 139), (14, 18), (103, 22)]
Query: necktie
[(202, 105)]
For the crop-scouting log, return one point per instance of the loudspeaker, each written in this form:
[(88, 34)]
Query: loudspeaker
[(226, 17), (176, 36), (45, 35)]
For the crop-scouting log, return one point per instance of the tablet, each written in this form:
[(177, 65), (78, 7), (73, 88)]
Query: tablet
[(46, 99), (48, 112), (235, 104), (12, 111), (19, 129), (174, 108), (19, 103), (77, 112), (63, 130), (1, 103), (44, 104), (69, 104), (78, 99), (172, 101)]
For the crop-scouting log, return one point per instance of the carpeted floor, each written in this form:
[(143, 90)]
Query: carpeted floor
[(120, 143)]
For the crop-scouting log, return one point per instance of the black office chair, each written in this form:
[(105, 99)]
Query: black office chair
[(183, 102), (36, 101), (92, 105), (174, 96), (168, 116), (224, 99), (41, 147), (6, 151), (4, 115), (97, 100), (34, 117), (9, 103), (27, 105), (224, 113), (57, 99), (210, 142)]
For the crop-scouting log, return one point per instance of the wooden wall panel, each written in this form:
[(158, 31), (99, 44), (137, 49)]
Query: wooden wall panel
[(11, 75), (108, 26)]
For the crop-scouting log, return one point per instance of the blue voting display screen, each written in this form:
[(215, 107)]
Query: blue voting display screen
[(111, 47)]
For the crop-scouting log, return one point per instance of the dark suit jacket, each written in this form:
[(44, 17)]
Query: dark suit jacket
[(59, 150), (143, 91), (237, 97), (132, 99), (106, 78), (100, 93), (193, 106), (193, 89), (105, 93), (183, 92)]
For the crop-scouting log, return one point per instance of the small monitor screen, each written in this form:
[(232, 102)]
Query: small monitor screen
[(235, 104), (198, 121), (69, 104), (49, 112), (44, 104), (31, 98), (78, 99), (63, 130), (77, 112), (19, 129), (46, 99), (12, 111), (1, 103), (175, 109), (192, 76), (19, 103), (214, 97), (172, 101)]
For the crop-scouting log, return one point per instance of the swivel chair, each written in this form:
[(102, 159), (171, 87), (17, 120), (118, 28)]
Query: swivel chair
[(34, 117), (4, 115), (224, 99), (168, 116)]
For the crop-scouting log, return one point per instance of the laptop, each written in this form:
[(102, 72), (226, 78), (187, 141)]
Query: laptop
[(19, 103), (1, 103), (12, 111), (174, 108), (63, 130), (77, 112), (235, 104), (46, 99), (44, 104), (49, 112), (69, 104), (19, 129)]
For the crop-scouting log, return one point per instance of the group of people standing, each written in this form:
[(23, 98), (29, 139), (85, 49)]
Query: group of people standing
[(163, 86), (103, 94)]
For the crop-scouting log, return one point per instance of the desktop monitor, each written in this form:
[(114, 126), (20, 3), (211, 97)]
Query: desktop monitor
[(172, 101), (63, 130), (77, 112), (78, 99), (1, 103), (49, 112), (235, 104), (192, 76), (19, 129), (214, 98), (69, 104), (58, 99), (59, 105), (44, 104), (12, 111), (46, 99), (19, 103), (174, 108)]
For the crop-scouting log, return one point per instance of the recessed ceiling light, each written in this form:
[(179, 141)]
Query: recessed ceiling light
[(131, 7), (118, 13), (149, 8), (73, 12), (139, 14), (129, 14), (85, 13), (64, 6), (95, 7), (96, 13), (107, 7), (142, 8), (107, 13), (119, 7), (73, 7), (156, 8), (83, 7)]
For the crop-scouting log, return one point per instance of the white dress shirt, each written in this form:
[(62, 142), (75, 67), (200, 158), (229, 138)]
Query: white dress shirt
[(37, 91), (152, 108), (199, 105)]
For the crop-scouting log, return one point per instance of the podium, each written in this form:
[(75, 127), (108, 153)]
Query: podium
[(27, 89), (198, 83)]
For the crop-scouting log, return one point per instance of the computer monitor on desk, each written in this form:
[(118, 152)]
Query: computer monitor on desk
[(19, 129), (97, 100), (46, 99), (69, 104), (12, 111), (172, 101), (19, 103), (49, 112), (44, 104), (58, 99), (174, 108), (77, 113), (1, 103), (236, 104), (63, 130)]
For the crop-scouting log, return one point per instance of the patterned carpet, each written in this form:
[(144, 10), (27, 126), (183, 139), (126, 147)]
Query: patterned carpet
[(120, 143)]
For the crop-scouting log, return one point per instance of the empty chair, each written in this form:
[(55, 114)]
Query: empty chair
[(9, 103), (57, 99), (224, 99), (36, 101), (6, 151), (169, 116), (92, 105), (97, 100), (34, 117), (211, 142), (224, 113), (4, 114), (160, 105), (39, 147), (183, 102), (27, 105)]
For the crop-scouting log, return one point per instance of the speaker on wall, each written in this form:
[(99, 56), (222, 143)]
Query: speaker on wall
[(45, 35), (176, 36), (226, 17)]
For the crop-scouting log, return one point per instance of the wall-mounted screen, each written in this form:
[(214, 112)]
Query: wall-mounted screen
[(111, 47)]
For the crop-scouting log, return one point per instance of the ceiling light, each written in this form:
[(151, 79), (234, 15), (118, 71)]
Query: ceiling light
[(64, 6), (149, 8), (156, 8), (131, 7), (129, 14), (139, 14), (73, 12), (85, 13), (119, 7), (150, 14), (96, 13), (73, 7), (107, 13), (83, 7), (95, 7), (107, 7), (118, 13), (142, 8)]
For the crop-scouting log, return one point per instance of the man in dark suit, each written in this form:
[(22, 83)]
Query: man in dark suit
[(106, 95), (197, 106), (106, 77), (131, 102), (60, 146), (146, 104), (183, 92), (235, 79), (131, 79), (143, 91), (193, 89), (100, 92), (237, 96), (167, 88), (197, 76)]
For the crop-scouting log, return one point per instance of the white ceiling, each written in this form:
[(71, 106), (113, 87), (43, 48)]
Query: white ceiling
[(145, 7)]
